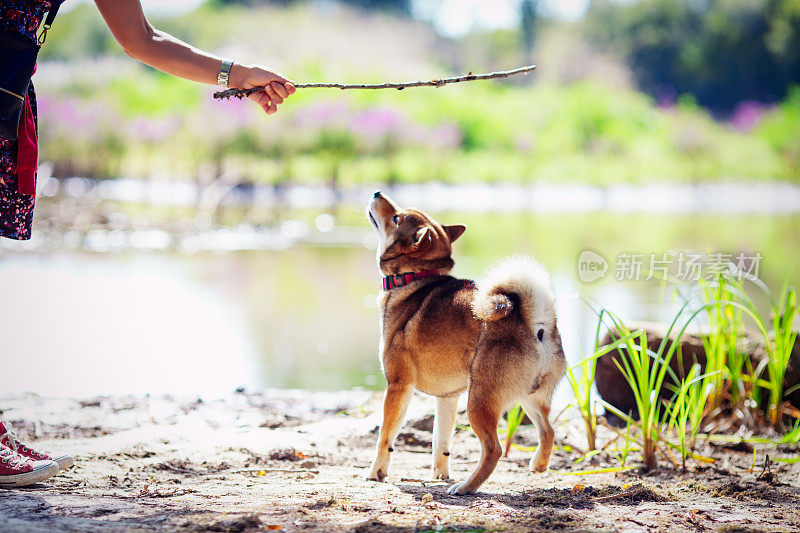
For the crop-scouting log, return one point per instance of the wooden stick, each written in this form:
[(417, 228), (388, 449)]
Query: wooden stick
[(766, 469), (270, 470), (439, 82), (424, 481)]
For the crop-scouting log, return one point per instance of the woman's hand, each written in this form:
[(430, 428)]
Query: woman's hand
[(277, 88)]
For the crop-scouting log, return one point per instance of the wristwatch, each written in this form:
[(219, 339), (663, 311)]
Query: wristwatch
[(224, 73)]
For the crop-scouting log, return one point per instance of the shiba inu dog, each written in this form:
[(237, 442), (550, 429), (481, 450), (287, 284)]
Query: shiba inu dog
[(443, 335)]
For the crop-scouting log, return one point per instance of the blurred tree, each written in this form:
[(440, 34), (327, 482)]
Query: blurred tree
[(396, 6), (721, 51), (528, 21)]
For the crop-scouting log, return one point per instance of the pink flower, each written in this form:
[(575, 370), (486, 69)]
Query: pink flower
[(748, 115)]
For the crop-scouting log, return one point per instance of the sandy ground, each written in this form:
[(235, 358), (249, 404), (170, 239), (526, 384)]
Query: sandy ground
[(297, 461)]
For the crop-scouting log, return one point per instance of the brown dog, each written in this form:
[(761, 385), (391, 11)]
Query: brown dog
[(443, 335)]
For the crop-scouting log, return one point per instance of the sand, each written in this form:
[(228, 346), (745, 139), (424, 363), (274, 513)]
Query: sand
[(297, 461)]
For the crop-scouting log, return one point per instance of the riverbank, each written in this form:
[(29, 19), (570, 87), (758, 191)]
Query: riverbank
[(123, 215), (296, 460)]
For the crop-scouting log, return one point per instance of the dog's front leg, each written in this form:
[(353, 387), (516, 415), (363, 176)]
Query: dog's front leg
[(445, 422), (395, 405)]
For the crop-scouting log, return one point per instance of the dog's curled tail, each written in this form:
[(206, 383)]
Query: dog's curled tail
[(517, 283)]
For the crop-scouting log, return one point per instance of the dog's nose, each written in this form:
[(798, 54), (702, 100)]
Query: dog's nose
[(377, 193)]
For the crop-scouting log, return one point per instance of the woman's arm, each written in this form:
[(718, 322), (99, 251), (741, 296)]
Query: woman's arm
[(164, 52)]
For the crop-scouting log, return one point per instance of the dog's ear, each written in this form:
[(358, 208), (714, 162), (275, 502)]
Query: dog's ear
[(424, 239), (455, 231)]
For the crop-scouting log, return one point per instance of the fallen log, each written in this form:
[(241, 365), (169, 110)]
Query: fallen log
[(614, 389)]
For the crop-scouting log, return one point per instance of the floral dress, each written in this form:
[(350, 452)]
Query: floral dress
[(16, 209)]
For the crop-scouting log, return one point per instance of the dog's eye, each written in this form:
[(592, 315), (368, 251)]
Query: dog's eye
[(395, 219), (540, 335)]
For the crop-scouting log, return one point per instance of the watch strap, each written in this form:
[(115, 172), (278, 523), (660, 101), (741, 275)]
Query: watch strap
[(223, 78)]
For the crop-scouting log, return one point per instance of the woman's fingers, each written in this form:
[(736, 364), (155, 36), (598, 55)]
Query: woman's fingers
[(262, 99), (276, 88), (270, 107), (273, 94), (280, 89)]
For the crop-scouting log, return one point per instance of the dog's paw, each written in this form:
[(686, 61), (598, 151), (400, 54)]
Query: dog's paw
[(377, 475), (459, 488), (537, 465), (440, 473)]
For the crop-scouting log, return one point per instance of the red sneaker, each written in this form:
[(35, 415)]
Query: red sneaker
[(9, 439), (19, 471)]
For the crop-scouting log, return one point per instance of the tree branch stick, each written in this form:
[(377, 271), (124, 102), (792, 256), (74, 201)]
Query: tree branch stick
[(439, 82)]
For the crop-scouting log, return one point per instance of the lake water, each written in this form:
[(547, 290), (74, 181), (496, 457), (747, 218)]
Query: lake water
[(203, 322)]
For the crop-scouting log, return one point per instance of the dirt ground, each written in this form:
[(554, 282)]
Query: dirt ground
[(297, 461)]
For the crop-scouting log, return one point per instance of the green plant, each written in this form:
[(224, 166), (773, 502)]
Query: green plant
[(793, 435), (513, 420), (727, 303), (645, 371), (780, 351), (582, 384), (626, 449), (687, 408), (645, 379), (679, 413), (778, 345), (729, 368), (581, 387)]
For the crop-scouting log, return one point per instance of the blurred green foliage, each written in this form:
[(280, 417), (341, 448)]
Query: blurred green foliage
[(780, 130), (153, 95), (721, 51), (78, 34), (133, 120), (584, 132)]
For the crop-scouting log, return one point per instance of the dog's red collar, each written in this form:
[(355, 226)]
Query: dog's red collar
[(392, 282)]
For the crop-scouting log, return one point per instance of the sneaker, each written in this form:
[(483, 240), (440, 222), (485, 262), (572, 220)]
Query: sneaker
[(9, 439), (19, 471)]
